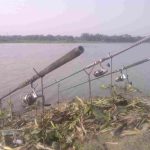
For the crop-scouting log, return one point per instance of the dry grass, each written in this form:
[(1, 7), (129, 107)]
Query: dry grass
[(106, 142)]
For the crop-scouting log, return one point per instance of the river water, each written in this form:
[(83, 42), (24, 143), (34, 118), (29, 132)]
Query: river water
[(18, 60)]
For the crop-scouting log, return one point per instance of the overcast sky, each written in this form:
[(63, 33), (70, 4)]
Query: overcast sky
[(73, 17)]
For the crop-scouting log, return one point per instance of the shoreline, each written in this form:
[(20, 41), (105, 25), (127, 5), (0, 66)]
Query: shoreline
[(63, 42)]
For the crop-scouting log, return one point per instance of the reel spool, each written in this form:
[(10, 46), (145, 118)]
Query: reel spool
[(121, 78), (100, 72), (30, 98)]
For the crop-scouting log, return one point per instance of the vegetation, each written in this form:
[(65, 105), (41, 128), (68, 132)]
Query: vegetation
[(107, 124), (85, 37)]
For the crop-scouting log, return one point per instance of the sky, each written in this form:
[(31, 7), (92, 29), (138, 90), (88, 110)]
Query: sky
[(74, 17)]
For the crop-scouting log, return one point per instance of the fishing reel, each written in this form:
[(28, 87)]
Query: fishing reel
[(30, 98), (122, 77), (100, 72)]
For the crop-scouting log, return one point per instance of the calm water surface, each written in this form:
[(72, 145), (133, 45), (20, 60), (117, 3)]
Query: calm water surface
[(17, 62)]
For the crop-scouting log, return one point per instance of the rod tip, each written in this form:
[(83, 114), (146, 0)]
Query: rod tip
[(81, 49)]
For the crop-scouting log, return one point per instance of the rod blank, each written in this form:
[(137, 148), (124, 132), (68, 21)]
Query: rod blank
[(120, 52), (137, 63)]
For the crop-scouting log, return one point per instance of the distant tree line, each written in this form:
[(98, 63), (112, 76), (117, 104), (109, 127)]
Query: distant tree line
[(85, 37)]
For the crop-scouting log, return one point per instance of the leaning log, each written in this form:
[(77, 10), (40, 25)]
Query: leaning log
[(58, 63)]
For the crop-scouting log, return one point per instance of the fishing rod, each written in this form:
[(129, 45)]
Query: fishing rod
[(136, 63), (120, 52), (116, 71), (56, 64), (101, 60)]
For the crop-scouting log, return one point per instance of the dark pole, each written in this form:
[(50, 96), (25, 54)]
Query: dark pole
[(90, 88), (58, 92), (43, 98), (89, 81), (111, 75)]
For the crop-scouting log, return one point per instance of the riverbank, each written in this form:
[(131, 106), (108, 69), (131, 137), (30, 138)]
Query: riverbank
[(108, 123), (85, 37)]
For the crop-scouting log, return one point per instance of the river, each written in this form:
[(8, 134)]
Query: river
[(18, 60)]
